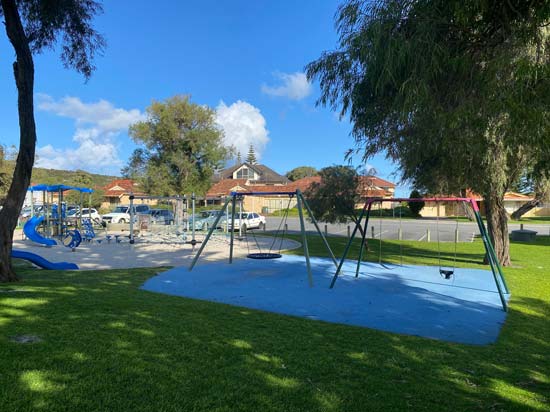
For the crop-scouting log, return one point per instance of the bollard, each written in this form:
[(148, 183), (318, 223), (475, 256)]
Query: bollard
[(349, 232), (264, 227), (326, 230), (399, 234), (427, 235), (456, 235), (521, 226), (286, 227), (372, 231)]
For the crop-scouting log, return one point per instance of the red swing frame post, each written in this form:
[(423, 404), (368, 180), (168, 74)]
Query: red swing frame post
[(496, 269)]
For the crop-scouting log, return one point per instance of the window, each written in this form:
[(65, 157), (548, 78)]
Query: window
[(245, 173), (255, 215)]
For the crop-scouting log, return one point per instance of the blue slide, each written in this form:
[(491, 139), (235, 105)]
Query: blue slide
[(30, 231), (43, 263)]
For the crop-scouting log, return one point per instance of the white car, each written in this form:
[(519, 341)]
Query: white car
[(248, 220), (86, 214), (121, 214)]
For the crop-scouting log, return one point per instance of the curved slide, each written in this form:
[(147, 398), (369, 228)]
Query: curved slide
[(30, 231), (43, 263)]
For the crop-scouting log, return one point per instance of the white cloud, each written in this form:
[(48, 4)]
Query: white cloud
[(97, 127), (295, 86), (243, 125), (102, 114)]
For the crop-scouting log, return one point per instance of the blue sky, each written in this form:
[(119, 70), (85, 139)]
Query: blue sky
[(244, 58)]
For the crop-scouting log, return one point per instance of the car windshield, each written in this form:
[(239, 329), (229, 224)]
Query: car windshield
[(242, 216), (72, 212), (121, 209)]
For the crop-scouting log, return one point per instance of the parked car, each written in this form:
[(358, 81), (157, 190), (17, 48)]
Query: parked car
[(162, 217), (26, 211), (74, 214), (205, 219), (247, 220), (121, 214)]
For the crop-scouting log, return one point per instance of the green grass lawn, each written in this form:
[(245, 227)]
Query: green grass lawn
[(535, 219), (106, 345)]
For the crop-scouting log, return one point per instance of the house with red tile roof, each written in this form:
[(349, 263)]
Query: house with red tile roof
[(512, 202), (117, 192), (261, 179)]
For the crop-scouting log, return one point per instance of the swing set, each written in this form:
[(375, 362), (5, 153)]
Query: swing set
[(445, 272), (273, 252)]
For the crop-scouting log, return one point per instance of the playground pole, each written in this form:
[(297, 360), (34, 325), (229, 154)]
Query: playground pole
[(210, 231), (132, 218), (304, 240), (32, 203), (364, 238), (348, 246), (232, 231), (80, 211), (304, 202), (45, 210)]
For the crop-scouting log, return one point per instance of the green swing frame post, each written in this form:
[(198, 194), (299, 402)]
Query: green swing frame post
[(496, 268), (301, 203)]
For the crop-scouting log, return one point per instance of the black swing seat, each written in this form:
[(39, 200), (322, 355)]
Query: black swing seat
[(264, 255), (446, 273)]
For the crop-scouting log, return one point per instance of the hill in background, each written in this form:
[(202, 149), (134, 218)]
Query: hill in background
[(40, 175), (70, 178)]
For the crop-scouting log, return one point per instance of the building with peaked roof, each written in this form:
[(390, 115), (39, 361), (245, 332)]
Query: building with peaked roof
[(117, 192), (512, 202), (261, 179), (254, 174)]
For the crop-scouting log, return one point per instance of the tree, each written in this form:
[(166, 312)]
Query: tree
[(455, 91), (416, 207), (333, 199), (32, 26), (251, 157), (82, 178), (182, 147), (239, 159), (300, 172), (6, 171)]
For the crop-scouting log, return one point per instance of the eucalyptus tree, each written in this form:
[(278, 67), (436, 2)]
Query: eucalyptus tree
[(180, 147), (455, 91), (32, 26)]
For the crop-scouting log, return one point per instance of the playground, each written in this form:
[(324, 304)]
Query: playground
[(302, 319), (175, 353), (440, 301)]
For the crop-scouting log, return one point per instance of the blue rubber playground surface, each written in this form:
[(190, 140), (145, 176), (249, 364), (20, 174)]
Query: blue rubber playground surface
[(412, 300)]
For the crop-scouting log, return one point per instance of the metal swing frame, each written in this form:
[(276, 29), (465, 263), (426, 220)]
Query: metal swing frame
[(496, 269), (301, 204)]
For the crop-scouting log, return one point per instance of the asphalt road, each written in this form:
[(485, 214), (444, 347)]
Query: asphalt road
[(410, 229)]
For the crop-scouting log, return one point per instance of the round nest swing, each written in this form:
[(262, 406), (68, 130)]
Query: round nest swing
[(264, 255)]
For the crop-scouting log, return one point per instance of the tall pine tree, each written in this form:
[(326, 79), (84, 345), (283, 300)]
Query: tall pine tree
[(251, 158)]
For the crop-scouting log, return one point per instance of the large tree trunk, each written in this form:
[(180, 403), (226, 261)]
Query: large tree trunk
[(526, 207), (23, 69), (497, 226), (542, 194)]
